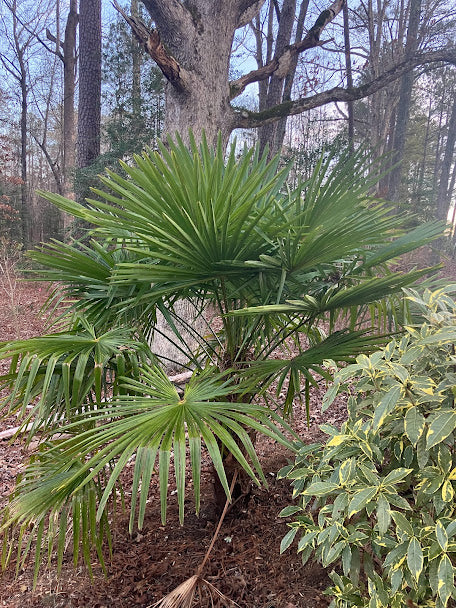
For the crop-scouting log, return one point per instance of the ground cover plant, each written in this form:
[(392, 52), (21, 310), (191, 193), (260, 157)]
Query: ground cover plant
[(378, 496), (189, 223)]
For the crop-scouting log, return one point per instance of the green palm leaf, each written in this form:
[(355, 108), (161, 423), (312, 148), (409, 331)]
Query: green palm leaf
[(78, 477), (54, 377)]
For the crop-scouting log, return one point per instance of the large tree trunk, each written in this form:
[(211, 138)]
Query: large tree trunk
[(89, 82), (192, 47), (201, 98)]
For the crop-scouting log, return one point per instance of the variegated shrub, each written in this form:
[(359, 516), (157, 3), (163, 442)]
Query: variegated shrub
[(377, 500)]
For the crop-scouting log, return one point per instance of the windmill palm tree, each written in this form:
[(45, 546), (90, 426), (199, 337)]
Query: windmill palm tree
[(191, 223)]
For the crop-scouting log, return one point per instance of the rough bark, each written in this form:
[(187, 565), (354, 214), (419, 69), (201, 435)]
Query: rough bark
[(69, 78), (89, 111)]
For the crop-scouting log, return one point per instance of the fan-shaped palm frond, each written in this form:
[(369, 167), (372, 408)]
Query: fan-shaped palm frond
[(72, 480), (55, 377)]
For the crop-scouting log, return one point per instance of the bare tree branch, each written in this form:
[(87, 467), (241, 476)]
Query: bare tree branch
[(50, 36), (52, 164), (150, 40), (246, 119), (34, 33), (280, 65), (10, 67)]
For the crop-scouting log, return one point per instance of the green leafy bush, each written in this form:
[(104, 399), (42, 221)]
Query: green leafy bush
[(378, 497)]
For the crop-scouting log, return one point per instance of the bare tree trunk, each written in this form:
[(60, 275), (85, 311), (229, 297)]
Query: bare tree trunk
[(348, 69), (422, 166), (136, 55), (89, 111), (289, 79), (268, 134), (203, 101), (24, 198), (405, 97), (69, 78), (21, 77)]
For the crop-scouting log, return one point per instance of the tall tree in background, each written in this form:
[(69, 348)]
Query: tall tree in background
[(444, 190), (349, 71), (405, 97), (14, 59), (136, 64), (89, 110), (66, 51), (277, 88), (132, 94)]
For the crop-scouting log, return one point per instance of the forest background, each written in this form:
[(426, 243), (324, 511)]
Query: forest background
[(78, 92)]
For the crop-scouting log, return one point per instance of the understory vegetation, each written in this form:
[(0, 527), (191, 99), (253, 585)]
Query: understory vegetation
[(293, 278), (378, 496)]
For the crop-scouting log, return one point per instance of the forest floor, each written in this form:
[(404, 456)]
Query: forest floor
[(245, 564)]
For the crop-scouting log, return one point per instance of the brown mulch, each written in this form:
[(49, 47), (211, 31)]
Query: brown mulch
[(245, 564)]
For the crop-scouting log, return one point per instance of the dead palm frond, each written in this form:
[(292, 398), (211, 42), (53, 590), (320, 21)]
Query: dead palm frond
[(184, 595)]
